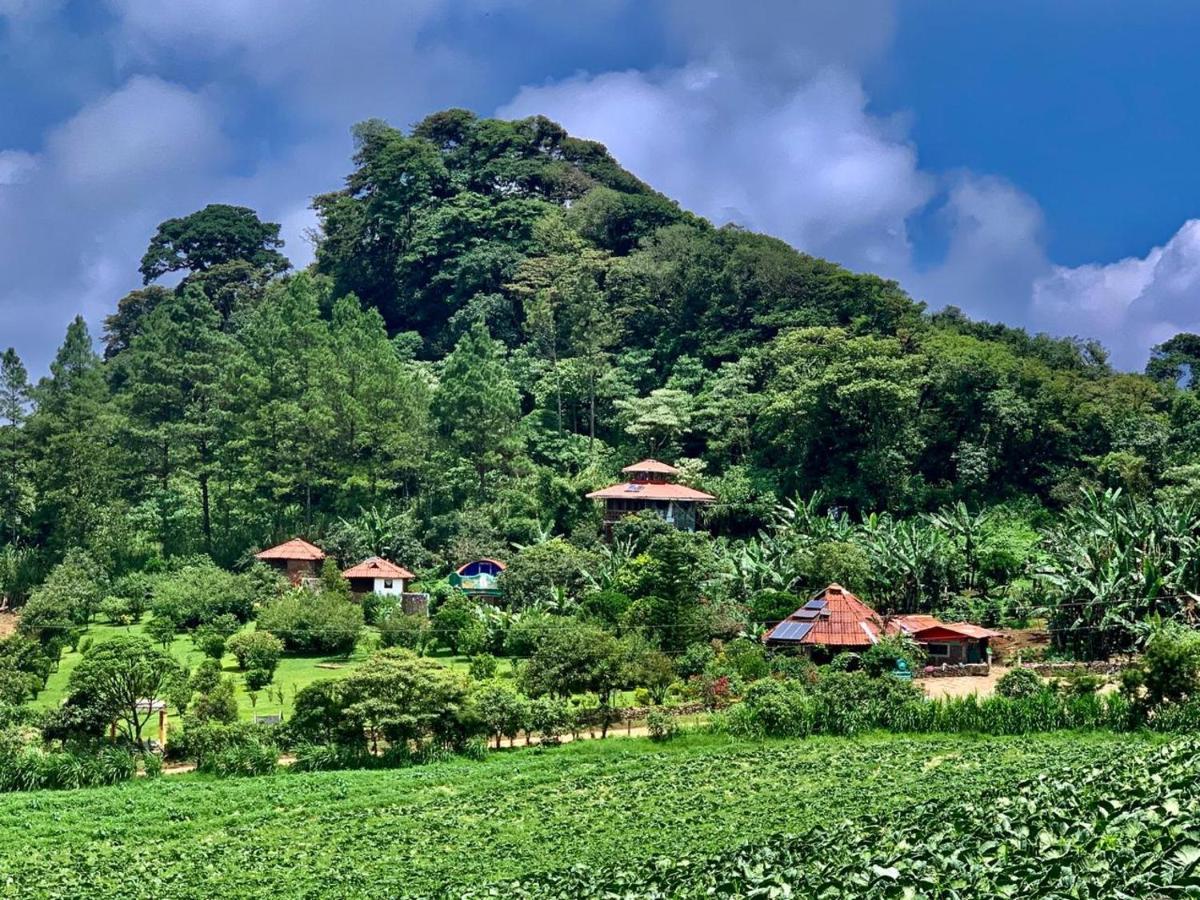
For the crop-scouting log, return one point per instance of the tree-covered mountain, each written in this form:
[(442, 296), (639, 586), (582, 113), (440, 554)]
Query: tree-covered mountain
[(498, 317)]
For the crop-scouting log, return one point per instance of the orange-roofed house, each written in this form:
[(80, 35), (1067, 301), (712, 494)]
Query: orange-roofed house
[(946, 642), (297, 558), (650, 486), (377, 575), (833, 621)]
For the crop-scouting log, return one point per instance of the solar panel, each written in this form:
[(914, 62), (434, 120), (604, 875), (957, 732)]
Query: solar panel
[(791, 631), (806, 613), (815, 604)]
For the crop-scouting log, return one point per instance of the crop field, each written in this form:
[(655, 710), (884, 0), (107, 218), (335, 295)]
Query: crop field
[(531, 815)]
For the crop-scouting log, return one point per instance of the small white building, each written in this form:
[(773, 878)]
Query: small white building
[(378, 576)]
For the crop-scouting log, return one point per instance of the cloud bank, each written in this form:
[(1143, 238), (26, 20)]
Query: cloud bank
[(758, 114)]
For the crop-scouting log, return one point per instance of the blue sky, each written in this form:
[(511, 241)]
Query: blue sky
[(1028, 162)]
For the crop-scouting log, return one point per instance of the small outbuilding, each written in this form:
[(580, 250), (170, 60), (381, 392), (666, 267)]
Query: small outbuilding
[(479, 578), (952, 643), (297, 559), (377, 575)]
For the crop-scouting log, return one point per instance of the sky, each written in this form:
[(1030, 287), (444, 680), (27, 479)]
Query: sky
[(1028, 162)]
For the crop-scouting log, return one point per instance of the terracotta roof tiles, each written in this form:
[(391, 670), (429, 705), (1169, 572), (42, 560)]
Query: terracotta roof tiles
[(377, 567), (296, 548)]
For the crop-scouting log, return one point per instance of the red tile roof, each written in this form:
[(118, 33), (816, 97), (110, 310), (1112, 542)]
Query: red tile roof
[(296, 548), (650, 491), (377, 567), (919, 625), (836, 618), (653, 466)]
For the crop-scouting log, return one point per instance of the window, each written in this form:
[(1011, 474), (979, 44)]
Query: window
[(387, 584), (938, 649)]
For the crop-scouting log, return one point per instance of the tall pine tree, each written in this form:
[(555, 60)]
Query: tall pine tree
[(73, 434), (15, 489), (477, 404)]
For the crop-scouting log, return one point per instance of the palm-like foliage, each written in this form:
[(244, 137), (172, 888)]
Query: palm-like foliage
[(1115, 564)]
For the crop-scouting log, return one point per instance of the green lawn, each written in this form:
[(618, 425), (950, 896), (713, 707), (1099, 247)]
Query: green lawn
[(435, 830), (294, 672)]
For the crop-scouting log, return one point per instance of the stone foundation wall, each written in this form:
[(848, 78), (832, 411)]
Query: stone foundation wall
[(957, 670), (1054, 670)]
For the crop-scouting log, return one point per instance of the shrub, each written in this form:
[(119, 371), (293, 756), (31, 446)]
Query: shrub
[(695, 660), (846, 661), (161, 630), (526, 632), (206, 676), (116, 610), (472, 638), (209, 641), (780, 708), (409, 631), (1168, 672), (152, 765), (882, 657), (313, 623), (245, 759), (216, 705), (653, 670), (503, 710), (256, 650), (794, 666), (772, 606), (661, 726), (851, 702), (482, 667), (1019, 682), (456, 614), (200, 593), (377, 607), (549, 717), (228, 748), (747, 659), (257, 679)]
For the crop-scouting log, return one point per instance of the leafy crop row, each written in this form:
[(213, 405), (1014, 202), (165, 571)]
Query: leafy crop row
[(1124, 829), (449, 827)]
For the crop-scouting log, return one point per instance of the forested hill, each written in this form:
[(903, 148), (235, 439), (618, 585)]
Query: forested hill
[(499, 316)]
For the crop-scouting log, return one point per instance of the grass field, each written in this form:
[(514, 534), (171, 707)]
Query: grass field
[(294, 672), (435, 830)]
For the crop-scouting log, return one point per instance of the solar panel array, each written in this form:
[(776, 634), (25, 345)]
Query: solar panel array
[(791, 631)]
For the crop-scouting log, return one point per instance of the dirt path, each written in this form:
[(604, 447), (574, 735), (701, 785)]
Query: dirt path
[(962, 686), (8, 623)]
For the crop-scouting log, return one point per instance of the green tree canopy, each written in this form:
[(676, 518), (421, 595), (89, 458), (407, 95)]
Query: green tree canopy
[(217, 234)]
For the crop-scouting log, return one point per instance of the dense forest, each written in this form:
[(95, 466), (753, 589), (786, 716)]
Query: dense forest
[(499, 317)]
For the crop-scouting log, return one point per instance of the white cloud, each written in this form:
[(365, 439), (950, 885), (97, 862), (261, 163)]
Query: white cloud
[(16, 166), (146, 129), (334, 63), (766, 122), (994, 250), (1130, 304), (812, 166), (77, 215)]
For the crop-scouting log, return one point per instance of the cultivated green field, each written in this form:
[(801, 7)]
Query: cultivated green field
[(440, 829)]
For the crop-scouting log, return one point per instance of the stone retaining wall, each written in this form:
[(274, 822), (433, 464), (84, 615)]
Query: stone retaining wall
[(953, 671), (1053, 670)]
